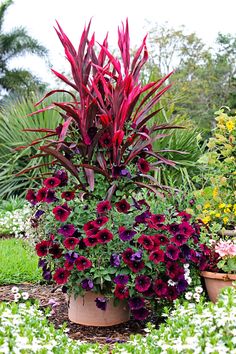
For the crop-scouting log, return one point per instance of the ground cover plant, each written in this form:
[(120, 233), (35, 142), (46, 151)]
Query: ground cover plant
[(18, 262)]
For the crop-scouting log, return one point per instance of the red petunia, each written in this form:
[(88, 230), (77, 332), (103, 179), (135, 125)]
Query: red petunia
[(51, 182), (186, 228), (61, 275), (146, 241), (104, 236), (31, 197), (42, 248), (68, 195), (160, 288), (100, 221), (83, 263), (103, 207), (157, 256), (179, 239), (160, 240), (55, 250), (61, 213), (185, 216), (69, 265), (143, 165), (70, 243), (127, 254), (41, 194), (105, 140), (121, 292), (122, 206), (142, 283), (136, 266), (91, 241)]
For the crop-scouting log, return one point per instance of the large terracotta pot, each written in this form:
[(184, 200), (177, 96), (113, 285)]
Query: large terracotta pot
[(83, 310), (215, 282)]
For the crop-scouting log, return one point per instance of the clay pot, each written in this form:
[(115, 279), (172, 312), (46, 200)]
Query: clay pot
[(230, 233), (83, 310), (215, 282)]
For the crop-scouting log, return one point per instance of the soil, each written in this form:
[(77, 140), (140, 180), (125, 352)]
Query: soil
[(101, 335)]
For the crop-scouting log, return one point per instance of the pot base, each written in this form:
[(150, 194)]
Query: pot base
[(83, 310), (215, 282)]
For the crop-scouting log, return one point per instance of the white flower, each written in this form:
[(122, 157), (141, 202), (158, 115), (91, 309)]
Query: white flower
[(199, 289), (25, 295), (171, 282), (188, 280), (186, 266), (196, 297), (14, 290), (17, 296), (188, 295)]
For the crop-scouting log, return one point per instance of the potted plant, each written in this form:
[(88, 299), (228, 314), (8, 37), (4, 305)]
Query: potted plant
[(218, 265), (101, 240)]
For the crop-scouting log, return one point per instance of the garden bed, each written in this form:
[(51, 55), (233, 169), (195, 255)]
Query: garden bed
[(101, 335)]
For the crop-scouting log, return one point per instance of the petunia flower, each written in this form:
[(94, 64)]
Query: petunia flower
[(103, 207), (42, 248), (143, 165), (55, 250), (101, 303), (157, 256), (140, 314), (122, 206), (61, 213), (179, 239), (70, 243), (146, 241), (62, 176), (142, 283), (121, 279), (121, 292), (87, 284), (105, 140), (136, 303), (115, 260), (91, 241), (160, 288), (126, 235), (104, 236), (61, 275), (172, 252), (66, 230), (68, 195), (83, 263), (51, 182), (31, 197), (99, 222)]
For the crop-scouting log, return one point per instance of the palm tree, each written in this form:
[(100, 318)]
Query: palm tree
[(13, 44)]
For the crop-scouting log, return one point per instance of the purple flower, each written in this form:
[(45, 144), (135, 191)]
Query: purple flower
[(136, 303), (115, 260), (47, 275), (172, 252), (38, 214), (66, 230), (101, 303), (182, 285), (125, 173), (127, 235), (87, 284), (62, 175), (140, 314), (137, 256), (121, 279), (42, 263), (71, 256), (50, 196), (141, 218), (142, 283)]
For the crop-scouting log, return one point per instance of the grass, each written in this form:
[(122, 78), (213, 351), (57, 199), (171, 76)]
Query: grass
[(18, 262)]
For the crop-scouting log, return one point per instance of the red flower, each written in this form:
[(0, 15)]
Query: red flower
[(157, 256), (83, 263), (55, 250), (172, 293), (42, 248), (160, 240), (185, 216), (173, 270), (61, 213), (91, 241), (121, 292), (179, 239), (90, 229), (100, 221), (172, 252), (68, 195), (31, 197), (103, 207), (70, 243), (146, 241), (105, 140), (136, 266), (142, 283), (69, 265), (140, 314), (186, 228), (67, 230), (160, 288), (143, 165), (104, 236), (51, 182), (158, 218), (41, 194), (127, 254), (61, 275), (122, 206)]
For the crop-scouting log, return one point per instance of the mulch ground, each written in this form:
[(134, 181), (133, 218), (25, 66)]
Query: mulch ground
[(101, 335)]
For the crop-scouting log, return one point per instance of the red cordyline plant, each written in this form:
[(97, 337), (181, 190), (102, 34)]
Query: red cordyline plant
[(104, 127)]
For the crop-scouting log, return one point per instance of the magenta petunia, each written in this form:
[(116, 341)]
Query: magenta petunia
[(173, 228), (160, 240), (140, 314), (179, 239), (42, 248), (41, 194), (122, 206), (172, 293), (136, 303), (158, 218), (105, 140), (127, 254), (146, 241), (89, 229), (61, 213), (62, 176), (136, 266), (104, 236), (186, 228), (68, 265), (51, 182), (68, 195), (143, 165), (103, 207), (83, 263), (70, 243), (61, 275), (185, 216), (31, 197), (172, 252), (67, 230), (157, 256), (121, 279), (121, 292), (100, 221), (142, 283), (160, 288), (91, 241), (173, 270)]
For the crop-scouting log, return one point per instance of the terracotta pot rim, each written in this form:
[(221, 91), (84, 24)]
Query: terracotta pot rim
[(220, 276)]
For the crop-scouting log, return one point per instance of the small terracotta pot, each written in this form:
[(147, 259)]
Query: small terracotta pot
[(83, 310), (215, 282)]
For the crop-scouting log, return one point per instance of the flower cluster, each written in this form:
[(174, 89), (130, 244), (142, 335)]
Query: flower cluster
[(121, 249), (19, 295), (217, 200), (220, 256), (13, 222)]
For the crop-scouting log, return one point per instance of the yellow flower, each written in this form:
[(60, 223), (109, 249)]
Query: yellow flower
[(221, 205), (227, 210), (230, 125), (206, 219), (225, 220), (218, 215), (207, 205), (215, 192)]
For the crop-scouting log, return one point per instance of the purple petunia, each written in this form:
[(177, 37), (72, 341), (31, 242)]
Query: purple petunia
[(172, 252), (66, 230), (101, 303), (71, 256), (126, 235), (137, 256), (121, 279), (115, 260), (87, 284), (136, 303), (140, 314), (182, 285), (39, 213)]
